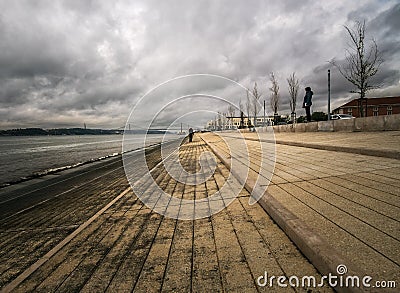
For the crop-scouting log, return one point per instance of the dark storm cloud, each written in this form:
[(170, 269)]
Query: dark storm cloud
[(385, 29), (380, 27), (69, 62)]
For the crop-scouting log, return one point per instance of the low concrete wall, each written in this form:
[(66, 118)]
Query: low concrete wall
[(376, 123), (301, 127), (325, 125), (392, 122), (344, 125), (310, 127)]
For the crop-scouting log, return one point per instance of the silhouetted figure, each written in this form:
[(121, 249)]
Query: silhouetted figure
[(307, 102), (191, 133), (241, 120)]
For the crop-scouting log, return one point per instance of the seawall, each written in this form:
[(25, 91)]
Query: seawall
[(375, 123)]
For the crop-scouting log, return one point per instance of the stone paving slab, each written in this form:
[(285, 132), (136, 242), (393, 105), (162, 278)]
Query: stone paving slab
[(128, 247), (382, 144), (381, 140), (350, 200)]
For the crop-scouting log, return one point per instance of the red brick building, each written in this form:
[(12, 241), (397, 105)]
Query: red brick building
[(374, 106)]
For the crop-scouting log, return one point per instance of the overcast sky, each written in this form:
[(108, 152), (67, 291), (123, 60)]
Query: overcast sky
[(65, 63)]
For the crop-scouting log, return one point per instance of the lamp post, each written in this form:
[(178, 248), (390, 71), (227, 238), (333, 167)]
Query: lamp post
[(264, 115), (329, 94)]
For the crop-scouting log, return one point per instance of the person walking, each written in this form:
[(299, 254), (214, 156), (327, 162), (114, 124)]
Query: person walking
[(307, 102), (191, 133)]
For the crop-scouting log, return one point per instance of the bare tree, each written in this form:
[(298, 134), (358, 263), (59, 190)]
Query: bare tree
[(219, 121), (224, 121), (231, 110), (230, 115), (256, 103), (361, 63), (248, 107), (293, 85), (274, 95)]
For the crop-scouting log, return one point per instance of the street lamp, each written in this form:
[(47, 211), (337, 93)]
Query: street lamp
[(329, 94), (264, 115)]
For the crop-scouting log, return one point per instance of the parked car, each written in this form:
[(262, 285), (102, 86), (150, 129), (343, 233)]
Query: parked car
[(341, 116)]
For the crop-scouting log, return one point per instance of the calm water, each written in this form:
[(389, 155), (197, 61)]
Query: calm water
[(23, 156)]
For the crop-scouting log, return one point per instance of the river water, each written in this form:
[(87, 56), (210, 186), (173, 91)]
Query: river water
[(23, 156)]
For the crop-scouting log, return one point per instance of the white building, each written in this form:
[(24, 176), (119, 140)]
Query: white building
[(227, 123)]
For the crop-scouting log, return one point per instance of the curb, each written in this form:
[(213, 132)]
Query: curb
[(360, 151), (317, 250)]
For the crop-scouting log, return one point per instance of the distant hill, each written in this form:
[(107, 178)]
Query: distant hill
[(142, 131), (56, 131), (71, 131)]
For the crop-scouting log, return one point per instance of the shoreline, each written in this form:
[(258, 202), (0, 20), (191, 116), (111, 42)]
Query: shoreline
[(43, 173), (50, 171)]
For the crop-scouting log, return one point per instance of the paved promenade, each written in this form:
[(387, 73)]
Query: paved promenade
[(383, 143), (351, 201), (84, 230)]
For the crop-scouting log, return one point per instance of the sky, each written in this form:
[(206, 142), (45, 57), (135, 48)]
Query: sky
[(66, 63)]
